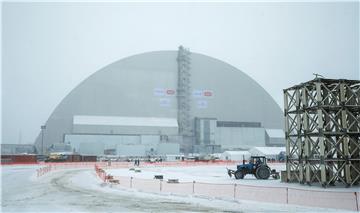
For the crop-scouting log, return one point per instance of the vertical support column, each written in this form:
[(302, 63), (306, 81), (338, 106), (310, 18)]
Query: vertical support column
[(353, 119), (299, 139), (306, 136), (345, 138), (287, 138), (328, 139), (320, 129)]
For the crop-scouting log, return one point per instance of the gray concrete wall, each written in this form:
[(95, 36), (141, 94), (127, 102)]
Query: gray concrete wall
[(107, 129), (239, 137), (131, 150), (168, 148), (7, 149), (109, 141), (91, 148)]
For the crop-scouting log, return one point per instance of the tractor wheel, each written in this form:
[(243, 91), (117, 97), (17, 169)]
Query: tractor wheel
[(262, 172), (239, 175)]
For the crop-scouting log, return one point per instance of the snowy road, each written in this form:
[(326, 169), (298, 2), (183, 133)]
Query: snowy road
[(62, 191), (81, 191)]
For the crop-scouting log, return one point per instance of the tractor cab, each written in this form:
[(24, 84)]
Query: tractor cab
[(257, 160), (256, 166), (254, 162)]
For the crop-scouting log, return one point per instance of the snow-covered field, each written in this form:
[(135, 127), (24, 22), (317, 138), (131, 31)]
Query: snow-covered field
[(216, 174), (206, 174), (80, 190)]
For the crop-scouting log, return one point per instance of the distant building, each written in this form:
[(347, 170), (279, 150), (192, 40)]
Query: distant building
[(12, 149), (271, 153), (235, 155), (275, 137), (174, 157), (60, 147)]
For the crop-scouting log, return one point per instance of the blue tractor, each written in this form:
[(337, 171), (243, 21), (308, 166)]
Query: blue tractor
[(256, 166)]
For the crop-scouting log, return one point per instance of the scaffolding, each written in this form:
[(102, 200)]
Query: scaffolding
[(183, 92), (322, 130)]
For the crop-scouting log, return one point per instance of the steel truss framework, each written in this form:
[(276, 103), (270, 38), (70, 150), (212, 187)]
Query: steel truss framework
[(322, 130), (183, 92)]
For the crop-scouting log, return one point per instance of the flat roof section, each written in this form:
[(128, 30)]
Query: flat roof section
[(124, 121)]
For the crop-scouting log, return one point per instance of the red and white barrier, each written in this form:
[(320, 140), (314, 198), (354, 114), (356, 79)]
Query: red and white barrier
[(270, 194), (178, 188), (346, 200), (100, 173), (261, 193), (326, 199), (44, 170), (214, 190)]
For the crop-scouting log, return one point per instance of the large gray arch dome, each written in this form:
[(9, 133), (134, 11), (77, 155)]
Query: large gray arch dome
[(126, 88)]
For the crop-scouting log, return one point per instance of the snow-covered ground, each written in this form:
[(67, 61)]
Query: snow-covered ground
[(80, 190), (216, 174), (206, 174)]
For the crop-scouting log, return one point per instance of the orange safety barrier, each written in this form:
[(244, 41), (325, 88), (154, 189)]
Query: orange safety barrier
[(182, 188), (100, 173), (188, 163), (270, 194), (326, 199), (44, 170), (215, 190), (261, 193), (286, 195), (123, 164)]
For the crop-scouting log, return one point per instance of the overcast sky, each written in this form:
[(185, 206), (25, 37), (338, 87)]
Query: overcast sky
[(49, 48)]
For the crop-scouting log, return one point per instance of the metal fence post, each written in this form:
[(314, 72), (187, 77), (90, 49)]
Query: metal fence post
[(234, 191), (131, 178), (356, 201), (287, 195), (160, 185), (193, 188)]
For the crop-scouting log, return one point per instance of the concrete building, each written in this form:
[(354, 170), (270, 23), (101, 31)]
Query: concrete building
[(235, 155), (198, 102), (275, 137), (271, 153), (12, 149)]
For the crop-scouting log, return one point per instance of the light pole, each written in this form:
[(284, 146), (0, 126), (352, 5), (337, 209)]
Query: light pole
[(43, 127)]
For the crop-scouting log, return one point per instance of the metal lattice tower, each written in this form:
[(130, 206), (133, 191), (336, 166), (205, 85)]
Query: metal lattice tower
[(183, 92), (322, 128)]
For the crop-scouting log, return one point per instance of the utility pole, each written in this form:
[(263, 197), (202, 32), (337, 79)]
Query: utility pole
[(43, 127)]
